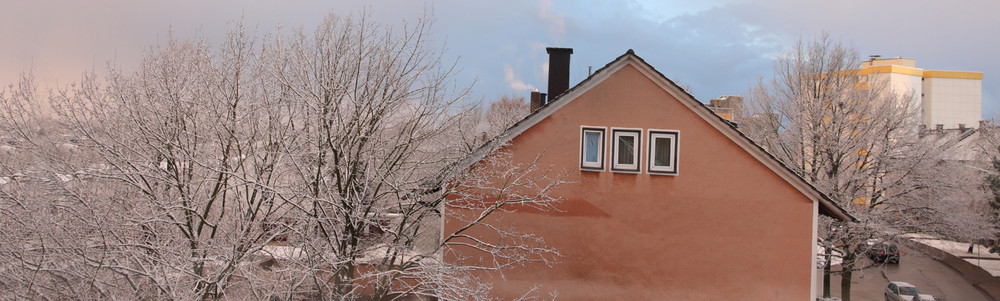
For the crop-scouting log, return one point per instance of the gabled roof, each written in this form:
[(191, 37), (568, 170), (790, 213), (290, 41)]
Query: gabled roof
[(826, 205)]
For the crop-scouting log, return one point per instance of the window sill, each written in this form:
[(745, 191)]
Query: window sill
[(662, 173)]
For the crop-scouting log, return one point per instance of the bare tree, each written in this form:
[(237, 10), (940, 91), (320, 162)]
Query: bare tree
[(479, 126), (184, 149), (295, 166), (858, 141), (374, 109), (472, 129), (987, 162), (505, 112)]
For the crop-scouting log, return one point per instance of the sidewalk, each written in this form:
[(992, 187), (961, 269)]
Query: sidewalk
[(980, 255), (980, 268)]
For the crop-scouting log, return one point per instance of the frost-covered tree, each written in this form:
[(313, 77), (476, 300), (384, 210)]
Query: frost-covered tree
[(170, 170), (290, 166), (988, 150), (504, 112), (479, 126), (375, 113), (857, 140)]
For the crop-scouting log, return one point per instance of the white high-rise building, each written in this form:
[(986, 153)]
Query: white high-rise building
[(951, 99)]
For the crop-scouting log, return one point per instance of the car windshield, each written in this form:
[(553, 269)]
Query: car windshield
[(909, 291)]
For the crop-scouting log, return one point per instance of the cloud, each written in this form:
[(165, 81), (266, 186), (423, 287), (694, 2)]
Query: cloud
[(513, 82), (713, 49), (718, 46), (556, 21)]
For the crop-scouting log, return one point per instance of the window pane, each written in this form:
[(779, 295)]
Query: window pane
[(626, 149), (662, 152), (593, 143)]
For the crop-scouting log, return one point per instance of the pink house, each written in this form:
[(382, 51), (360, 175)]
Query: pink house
[(668, 201)]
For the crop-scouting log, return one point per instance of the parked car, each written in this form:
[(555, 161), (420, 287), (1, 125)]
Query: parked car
[(902, 291), (884, 252)]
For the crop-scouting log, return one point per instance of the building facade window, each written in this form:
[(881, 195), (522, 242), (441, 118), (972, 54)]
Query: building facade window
[(625, 149), (663, 151), (592, 148)]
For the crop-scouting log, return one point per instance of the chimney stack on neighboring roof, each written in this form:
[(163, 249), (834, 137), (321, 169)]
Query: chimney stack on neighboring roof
[(558, 70), (537, 100)]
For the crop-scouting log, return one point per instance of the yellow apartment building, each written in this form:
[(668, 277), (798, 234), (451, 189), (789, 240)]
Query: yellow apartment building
[(947, 99)]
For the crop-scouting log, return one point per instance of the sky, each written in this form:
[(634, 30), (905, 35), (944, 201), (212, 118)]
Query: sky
[(715, 47)]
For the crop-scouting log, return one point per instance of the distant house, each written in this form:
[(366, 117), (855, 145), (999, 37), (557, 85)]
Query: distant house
[(669, 201)]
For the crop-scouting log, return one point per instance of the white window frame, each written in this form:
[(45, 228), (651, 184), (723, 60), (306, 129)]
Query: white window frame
[(636, 135), (592, 166), (675, 137)]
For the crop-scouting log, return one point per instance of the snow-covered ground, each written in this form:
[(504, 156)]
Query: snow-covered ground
[(282, 252)]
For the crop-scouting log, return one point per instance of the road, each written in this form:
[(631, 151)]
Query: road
[(928, 275)]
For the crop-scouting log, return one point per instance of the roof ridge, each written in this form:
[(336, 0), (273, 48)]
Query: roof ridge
[(508, 134)]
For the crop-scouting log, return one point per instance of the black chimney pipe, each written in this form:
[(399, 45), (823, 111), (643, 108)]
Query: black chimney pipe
[(558, 70)]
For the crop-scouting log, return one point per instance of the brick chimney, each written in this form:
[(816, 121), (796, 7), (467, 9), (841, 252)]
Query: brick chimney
[(537, 100), (558, 71)]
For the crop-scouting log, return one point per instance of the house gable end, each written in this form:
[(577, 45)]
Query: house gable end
[(826, 206)]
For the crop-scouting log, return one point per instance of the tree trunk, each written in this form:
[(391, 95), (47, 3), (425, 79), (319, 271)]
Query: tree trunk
[(826, 277), (846, 275), (845, 285)]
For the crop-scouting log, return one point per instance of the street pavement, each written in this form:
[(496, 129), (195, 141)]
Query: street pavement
[(927, 274)]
